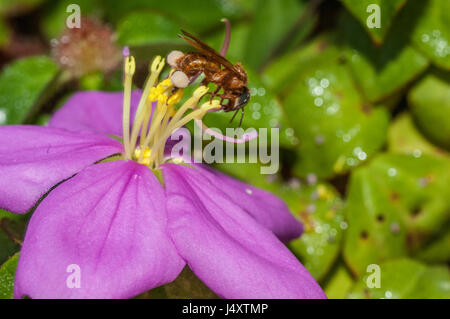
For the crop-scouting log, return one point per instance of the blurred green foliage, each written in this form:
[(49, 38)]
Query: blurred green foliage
[(363, 115)]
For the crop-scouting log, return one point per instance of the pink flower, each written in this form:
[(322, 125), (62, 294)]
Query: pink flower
[(133, 221)]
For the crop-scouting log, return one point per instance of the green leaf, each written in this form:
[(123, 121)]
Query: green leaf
[(394, 206), (319, 207), (430, 105), (7, 275), (432, 32), (382, 71), (404, 137), (148, 27), (406, 279), (271, 22), (437, 250), (336, 129), (340, 283), (321, 211), (388, 11), (282, 73), (199, 14), (22, 84)]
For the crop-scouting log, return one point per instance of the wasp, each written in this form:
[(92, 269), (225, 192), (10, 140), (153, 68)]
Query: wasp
[(231, 80)]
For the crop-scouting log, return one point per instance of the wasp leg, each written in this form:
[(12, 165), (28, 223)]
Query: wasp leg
[(234, 115), (214, 94), (242, 117)]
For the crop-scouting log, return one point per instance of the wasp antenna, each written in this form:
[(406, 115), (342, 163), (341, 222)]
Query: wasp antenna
[(226, 41)]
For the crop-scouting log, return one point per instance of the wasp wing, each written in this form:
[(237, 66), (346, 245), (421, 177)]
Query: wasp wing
[(206, 49)]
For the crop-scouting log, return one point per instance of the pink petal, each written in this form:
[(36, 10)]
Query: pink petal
[(264, 207), (35, 158), (225, 247), (110, 220), (95, 112)]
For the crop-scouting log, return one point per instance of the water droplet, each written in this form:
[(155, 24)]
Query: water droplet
[(256, 106), (425, 38), (310, 250), (388, 294), (248, 191), (256, 115), (312, 82), (273, 123), (324, 83), (351, 161), (392, 172), (289, 132), (362, 156), (417, 153), (318, 101), (343, 225), (333, 109), (253, 91), (346, 138), (261, 91), (318, 90)]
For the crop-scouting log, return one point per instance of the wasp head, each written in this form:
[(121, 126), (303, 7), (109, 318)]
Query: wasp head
[(243, 99)]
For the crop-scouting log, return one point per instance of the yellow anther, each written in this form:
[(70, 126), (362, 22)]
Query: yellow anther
[(176, 97), (167, 83), (157, 64), (198, 93), (162, 99), (146, 156), (130, 65)]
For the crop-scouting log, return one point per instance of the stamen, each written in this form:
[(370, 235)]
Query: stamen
[(144, 108), (245, 137), (129, 69)]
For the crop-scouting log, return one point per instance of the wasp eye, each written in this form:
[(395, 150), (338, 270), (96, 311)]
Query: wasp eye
[(173, 57), (180, 79)]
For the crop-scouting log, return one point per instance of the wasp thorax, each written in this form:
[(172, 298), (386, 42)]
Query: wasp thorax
[(173, 57), (179, 79)]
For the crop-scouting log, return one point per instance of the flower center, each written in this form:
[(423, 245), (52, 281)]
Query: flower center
[(157, 116)]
